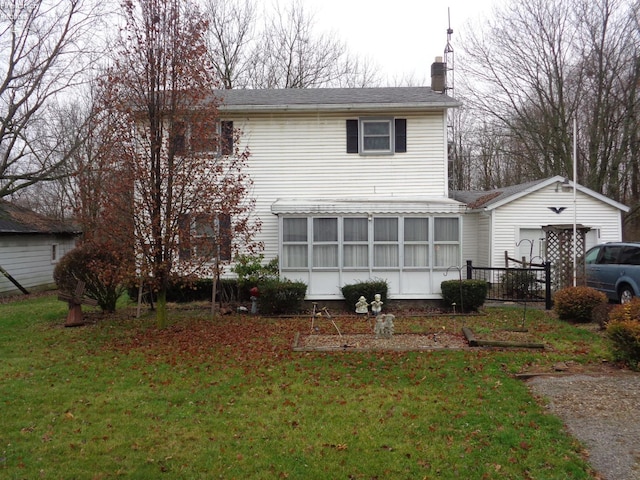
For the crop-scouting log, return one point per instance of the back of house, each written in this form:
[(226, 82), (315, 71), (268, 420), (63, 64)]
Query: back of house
[(351, 185)]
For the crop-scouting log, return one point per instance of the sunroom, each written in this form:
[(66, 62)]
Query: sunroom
[(413, 244)]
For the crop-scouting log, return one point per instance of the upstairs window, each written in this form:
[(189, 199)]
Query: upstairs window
[(207, 136), (376, 136), (371, 136)]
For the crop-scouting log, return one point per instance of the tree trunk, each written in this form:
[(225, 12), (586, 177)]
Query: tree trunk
[(161, 308)]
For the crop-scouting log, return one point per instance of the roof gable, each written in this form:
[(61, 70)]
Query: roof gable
[(18, 220), (490, 200)]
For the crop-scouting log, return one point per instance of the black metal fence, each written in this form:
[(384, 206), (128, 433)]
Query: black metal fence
[(526, 284)]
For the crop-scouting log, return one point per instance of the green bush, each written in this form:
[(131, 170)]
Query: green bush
[(577, 303), (279, 297), (100, 269), (520, 284), (468, 295), (624, 336), (366, 289), (251, 272), (187, 289)]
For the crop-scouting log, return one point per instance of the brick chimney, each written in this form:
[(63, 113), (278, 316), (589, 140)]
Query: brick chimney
[(438, 75)]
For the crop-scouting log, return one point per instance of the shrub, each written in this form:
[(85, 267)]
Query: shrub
[(187, 289), (251, 272), (600, 314), (280, 296), (100, 269), (468, 295), (626, 311), (625, 341), (520, 284), (577, 303), (366, 289)]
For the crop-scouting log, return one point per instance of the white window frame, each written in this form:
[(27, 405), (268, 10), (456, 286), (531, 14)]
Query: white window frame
[(355, 244), (293, 243), (362, 136), (55, 253), (318, 244), (386, 243), (444, 244), (441, 253), (423, 244)]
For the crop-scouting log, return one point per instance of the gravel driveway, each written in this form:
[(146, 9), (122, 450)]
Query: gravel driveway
[(602, 410)]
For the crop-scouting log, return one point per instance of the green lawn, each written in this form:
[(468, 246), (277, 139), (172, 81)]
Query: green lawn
[(228, 398)]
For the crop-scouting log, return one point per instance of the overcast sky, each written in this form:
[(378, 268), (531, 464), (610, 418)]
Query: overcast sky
[(402, 37)]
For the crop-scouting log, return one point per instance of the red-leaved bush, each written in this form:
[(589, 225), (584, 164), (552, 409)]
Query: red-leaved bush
[(577, 303)]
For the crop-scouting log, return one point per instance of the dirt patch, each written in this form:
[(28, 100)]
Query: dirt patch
[(369, 342)]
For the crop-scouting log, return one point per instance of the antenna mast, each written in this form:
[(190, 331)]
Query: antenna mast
[(449, 89)]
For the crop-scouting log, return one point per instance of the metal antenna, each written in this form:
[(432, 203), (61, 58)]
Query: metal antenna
[(449, 89)]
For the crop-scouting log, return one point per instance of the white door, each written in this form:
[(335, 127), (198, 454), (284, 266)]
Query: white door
[(530, 245)]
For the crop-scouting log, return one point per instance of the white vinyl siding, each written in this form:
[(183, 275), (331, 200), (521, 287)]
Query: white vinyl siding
[(531, 212), (304, 156), (28, 259)]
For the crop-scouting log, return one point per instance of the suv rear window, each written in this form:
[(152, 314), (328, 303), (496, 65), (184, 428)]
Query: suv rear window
[(609, 254), (630, 256)]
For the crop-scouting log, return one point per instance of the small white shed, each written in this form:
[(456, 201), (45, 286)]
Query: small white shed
[(512, 219), (30, 247)]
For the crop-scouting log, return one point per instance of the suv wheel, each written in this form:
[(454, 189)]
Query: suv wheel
[(626, 294)]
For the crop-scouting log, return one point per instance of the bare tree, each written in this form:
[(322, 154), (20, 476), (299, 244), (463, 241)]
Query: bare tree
[(44, 52), (231, 40), (285, 52), (537, 66)]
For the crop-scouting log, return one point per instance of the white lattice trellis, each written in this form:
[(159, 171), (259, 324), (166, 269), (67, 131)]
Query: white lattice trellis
[(559, 252)]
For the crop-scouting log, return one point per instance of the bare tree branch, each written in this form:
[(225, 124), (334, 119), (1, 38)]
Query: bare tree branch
[(44, 52)]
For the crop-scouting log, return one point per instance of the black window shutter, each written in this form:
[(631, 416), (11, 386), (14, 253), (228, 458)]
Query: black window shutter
[(226, 140), (184, 235), (352, 136), (401, 135), (224, 236)]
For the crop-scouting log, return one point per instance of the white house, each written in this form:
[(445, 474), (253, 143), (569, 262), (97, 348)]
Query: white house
[(30, 247), (513, 219), (351, 185)]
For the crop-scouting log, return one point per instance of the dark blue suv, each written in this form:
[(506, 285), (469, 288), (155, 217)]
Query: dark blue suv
[(614, 268)]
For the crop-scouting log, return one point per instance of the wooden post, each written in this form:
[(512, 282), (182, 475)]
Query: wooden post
[(75, 301)]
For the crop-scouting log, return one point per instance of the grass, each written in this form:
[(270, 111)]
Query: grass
[(227, 398)]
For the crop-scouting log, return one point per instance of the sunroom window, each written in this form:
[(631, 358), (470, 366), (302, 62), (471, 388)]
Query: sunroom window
[(294, 243), (325, 242), (356, 242), (385, 242), (446, 242), (416, 242), (364, 243)]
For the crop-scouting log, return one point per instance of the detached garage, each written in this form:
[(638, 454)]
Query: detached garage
[(523, 219), (30, 247)]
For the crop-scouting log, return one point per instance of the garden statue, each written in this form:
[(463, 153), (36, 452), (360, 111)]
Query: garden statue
[(255, 293), (362, 306), (384, 326), (376, 305)]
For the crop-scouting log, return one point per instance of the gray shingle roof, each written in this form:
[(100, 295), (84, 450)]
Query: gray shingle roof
[(334, 98), (19, 220), (481, 199)]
